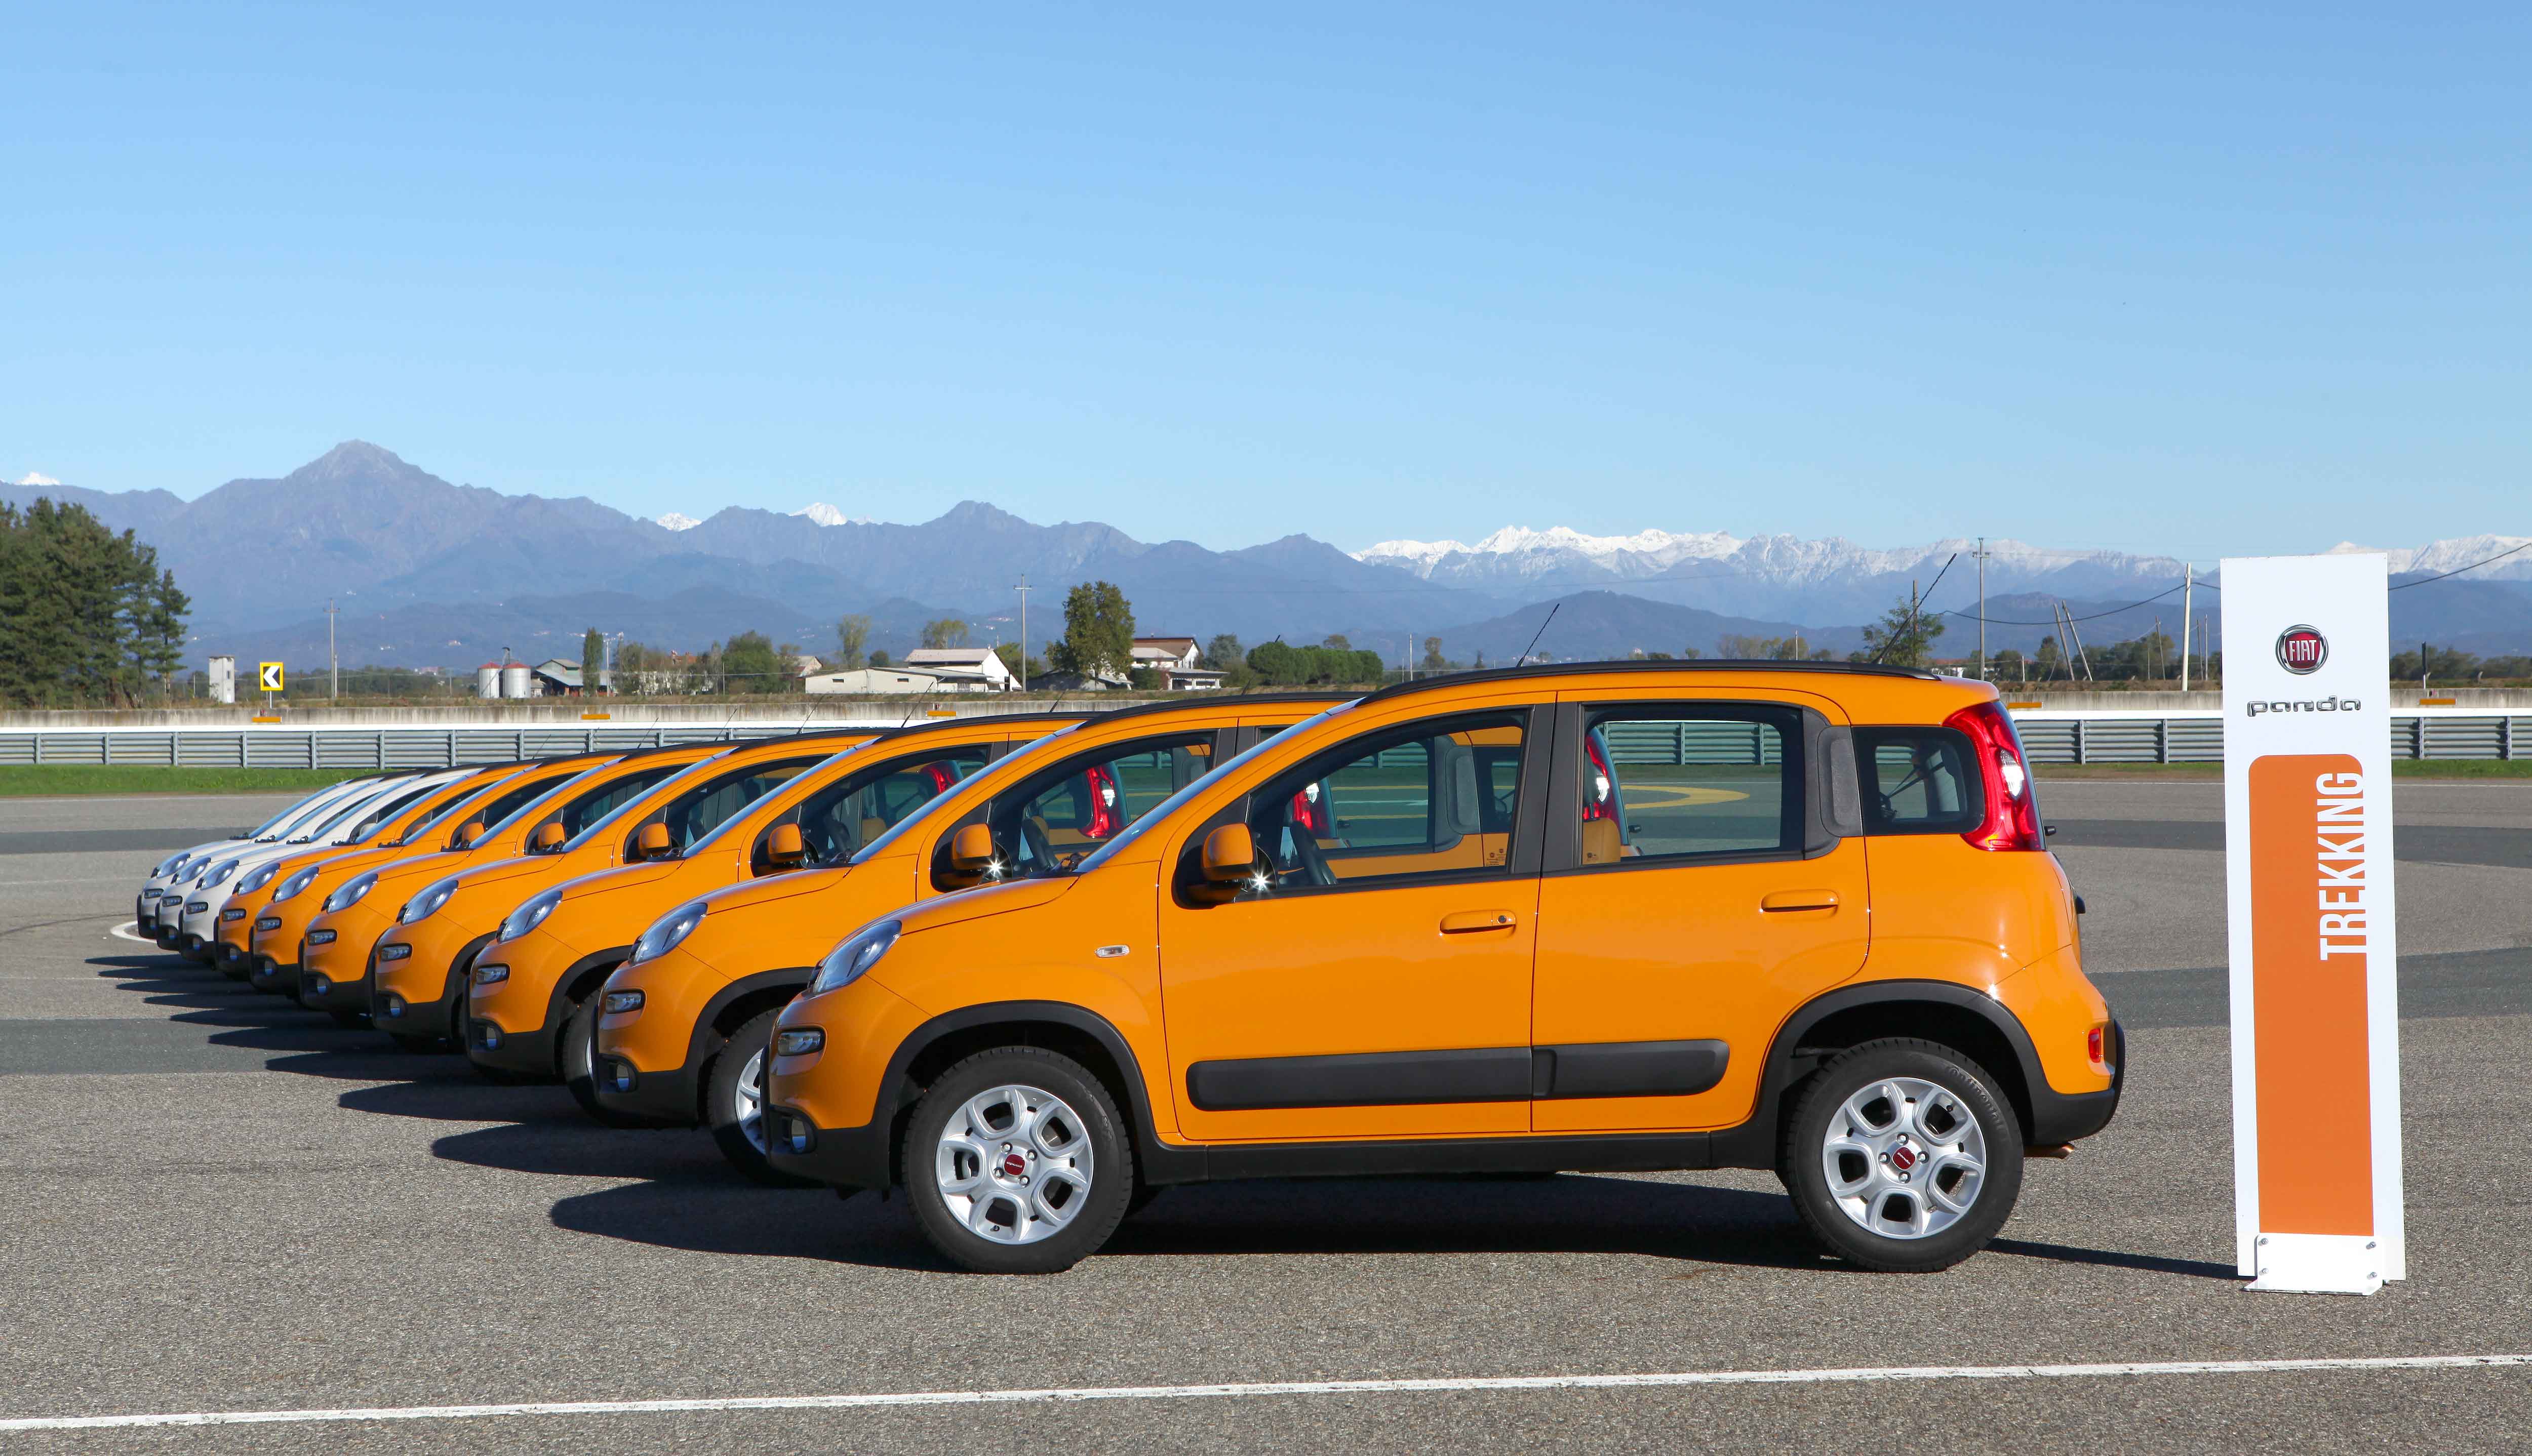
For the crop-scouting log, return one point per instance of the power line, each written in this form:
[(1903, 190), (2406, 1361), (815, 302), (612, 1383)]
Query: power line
[(2457, 571)]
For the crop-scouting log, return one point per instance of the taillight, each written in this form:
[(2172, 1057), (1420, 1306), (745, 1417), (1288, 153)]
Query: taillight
[(2012, 819), (2097, 1046)]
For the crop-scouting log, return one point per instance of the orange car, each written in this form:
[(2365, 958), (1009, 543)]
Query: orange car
[(335, 955), (684, 1021), (554, 949), (298, 897), (1612, 916), (432, 948), (384, 831)]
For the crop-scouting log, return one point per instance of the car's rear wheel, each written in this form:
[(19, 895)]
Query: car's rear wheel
[(577, 1059), (1016, 1162), (1901, 1157), (734, 1102)]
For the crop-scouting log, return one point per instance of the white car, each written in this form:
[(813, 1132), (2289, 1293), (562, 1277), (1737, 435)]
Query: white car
[(161, 889), (344, 821)]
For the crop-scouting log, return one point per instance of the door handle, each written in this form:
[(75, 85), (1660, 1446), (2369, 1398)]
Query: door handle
[(1788, 900), (1461, 922)]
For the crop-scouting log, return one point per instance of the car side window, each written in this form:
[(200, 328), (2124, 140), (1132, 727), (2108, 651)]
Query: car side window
[(1922, 780), (591, 807), (838, 820), (1409, 803), (1057, 817), (699, 810), (1680, 781)]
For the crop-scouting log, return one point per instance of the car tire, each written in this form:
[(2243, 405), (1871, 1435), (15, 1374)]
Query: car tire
[(732, 1091), (576, 1058), (350, 1020), (1901, 1157), (991, 1202)]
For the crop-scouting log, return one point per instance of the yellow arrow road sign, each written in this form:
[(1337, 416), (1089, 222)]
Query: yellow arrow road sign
[(267, 677)]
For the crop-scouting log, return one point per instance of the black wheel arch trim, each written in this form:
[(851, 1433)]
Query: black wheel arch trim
[(558, 1000), (700, 1040)]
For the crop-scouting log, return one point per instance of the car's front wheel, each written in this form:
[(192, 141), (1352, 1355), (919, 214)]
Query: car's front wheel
[(734, 1102), (1901, 1157), (1016, 1162)]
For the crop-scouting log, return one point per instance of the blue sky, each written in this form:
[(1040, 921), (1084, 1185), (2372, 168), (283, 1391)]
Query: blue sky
[(2153, 278)]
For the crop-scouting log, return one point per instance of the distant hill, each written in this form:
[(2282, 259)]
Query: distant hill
[(440, 569)]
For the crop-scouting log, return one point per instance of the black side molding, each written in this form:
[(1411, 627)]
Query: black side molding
[(1628, 1069), (1374, 1079)]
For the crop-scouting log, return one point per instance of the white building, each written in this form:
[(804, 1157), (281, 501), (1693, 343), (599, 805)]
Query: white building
[(983, 662), (906, 677), (1178, 660)]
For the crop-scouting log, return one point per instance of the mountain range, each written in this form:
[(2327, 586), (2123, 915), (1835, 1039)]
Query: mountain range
[(430, 572)]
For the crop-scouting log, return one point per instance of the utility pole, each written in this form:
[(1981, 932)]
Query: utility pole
[(1982, 646), (1023, 590), (2188, 583), (333, 668)]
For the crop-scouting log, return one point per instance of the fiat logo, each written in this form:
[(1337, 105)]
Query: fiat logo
[(2302, 649)]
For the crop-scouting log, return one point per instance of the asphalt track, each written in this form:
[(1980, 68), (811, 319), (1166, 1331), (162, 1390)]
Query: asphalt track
[(212, 1202)]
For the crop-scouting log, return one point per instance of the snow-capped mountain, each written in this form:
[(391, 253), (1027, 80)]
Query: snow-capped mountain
[(2457, 553), (1643, 554), (827, 515), (678, 521)]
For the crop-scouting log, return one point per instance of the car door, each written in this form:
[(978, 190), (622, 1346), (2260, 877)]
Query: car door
[(1692, 897), (1374, 980)]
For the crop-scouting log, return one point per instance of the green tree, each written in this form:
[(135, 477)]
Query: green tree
[(1147, 679), (1903, 637), (748, 664), (948, 632), (852, 640), (1098, 632), (1336, 640), (593, 661), (1224, 651), (1009, 653), (878, 657), (86, 615), (1433, 658)]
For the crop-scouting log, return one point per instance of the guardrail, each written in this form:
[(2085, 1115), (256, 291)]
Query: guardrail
[(2105, 737)]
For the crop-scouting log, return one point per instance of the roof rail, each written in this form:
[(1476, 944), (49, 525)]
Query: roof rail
[(1650, 664)]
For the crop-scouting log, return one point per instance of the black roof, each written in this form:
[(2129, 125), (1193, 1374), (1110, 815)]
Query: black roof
[(1650, 664)]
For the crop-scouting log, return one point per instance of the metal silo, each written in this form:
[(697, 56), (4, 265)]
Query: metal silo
[(514, 680), (488, 679)]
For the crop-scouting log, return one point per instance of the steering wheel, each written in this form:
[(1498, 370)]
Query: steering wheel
[(1308, 857), (1041, 850)]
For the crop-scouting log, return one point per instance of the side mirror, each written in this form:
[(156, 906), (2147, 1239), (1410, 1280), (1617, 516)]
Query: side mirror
[(467, 834), (652, 842), (783, 848), (547, 839), (971, 849), (1229, 859)]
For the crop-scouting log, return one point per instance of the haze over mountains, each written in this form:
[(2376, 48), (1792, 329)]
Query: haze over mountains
[(430, 573)]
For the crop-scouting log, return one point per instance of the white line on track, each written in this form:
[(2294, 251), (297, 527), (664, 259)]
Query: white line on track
[(1475, 1384)]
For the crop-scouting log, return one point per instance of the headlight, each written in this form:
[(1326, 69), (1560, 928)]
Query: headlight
[(220, 873), (395, 951), (491, 975), (668, 930), (619, 1002), (531, 914), (424, 906), (297, 883), (799, 1042), (352, 891), (861, 950), (262, 876)]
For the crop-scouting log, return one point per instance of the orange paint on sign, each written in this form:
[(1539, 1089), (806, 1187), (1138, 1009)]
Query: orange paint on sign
[(2309, 949)]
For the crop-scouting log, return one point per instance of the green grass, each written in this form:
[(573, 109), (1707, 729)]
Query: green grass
[(2428, 769), (22, 780)]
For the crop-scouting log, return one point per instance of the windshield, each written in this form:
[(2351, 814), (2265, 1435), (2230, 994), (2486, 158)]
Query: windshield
[(815, 771), (537, 806), (368, 828), (841, 812), (296, 808), (1018, 763), (1171, 805), (447, 812), (623, 804), (308, 811), (344, 808)]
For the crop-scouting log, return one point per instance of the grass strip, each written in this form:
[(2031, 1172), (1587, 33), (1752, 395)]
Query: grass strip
[(28, 781)]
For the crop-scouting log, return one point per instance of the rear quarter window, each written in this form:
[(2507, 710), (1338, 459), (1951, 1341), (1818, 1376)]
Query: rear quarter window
[(1919, 781)]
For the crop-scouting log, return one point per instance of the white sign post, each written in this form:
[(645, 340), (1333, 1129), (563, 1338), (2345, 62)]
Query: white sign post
[(2310, 923)]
